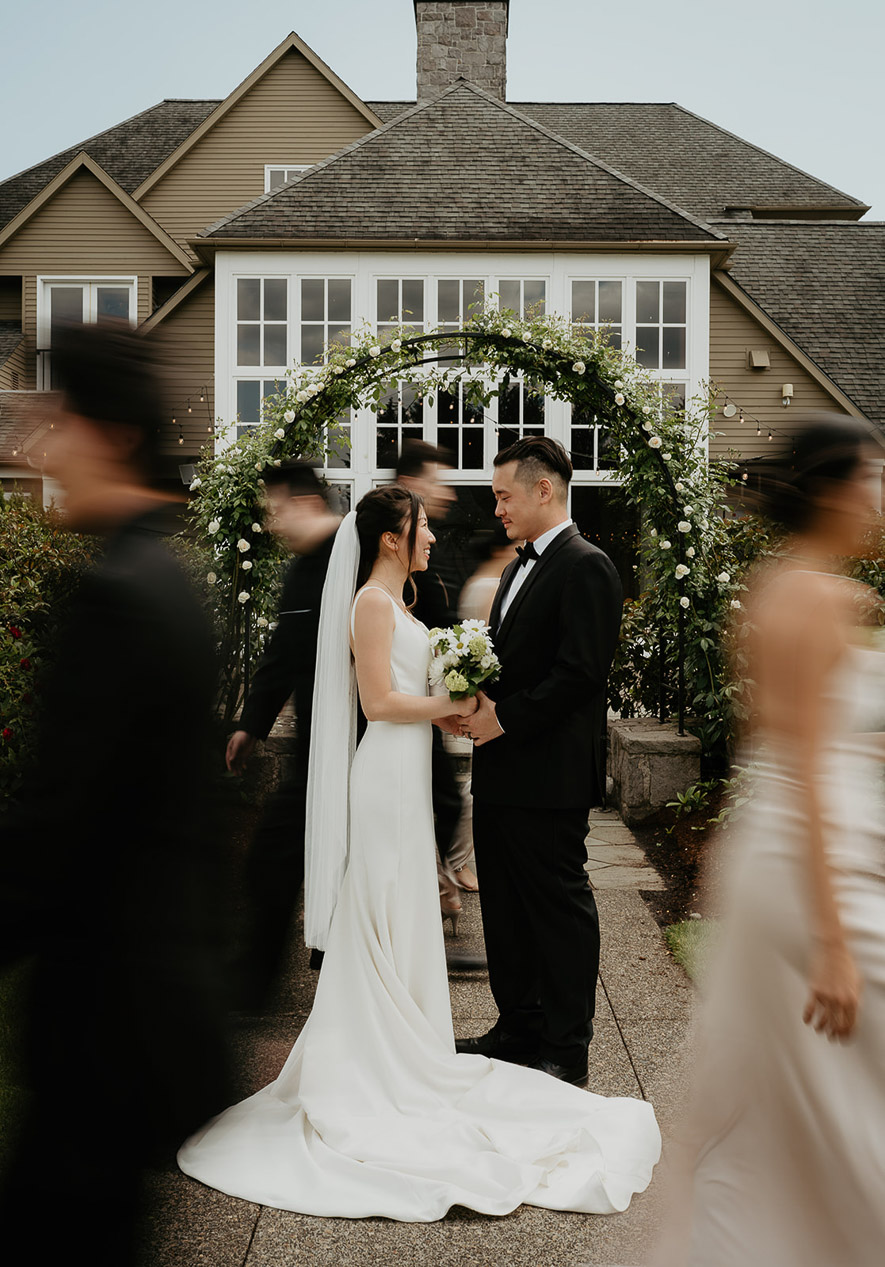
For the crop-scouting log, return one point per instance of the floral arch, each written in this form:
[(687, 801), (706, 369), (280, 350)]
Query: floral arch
[(663, 470)]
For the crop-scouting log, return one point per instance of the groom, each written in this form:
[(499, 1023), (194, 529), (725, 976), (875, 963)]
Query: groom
[(539, 765)]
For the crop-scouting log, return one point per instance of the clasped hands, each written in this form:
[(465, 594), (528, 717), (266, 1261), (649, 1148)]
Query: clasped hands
[(481, 725)]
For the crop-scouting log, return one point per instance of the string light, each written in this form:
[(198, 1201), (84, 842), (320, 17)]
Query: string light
[(745, 416)]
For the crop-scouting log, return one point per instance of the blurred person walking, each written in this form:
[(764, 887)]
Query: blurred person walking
[(298, 512), (781, 1159), (111, 879)]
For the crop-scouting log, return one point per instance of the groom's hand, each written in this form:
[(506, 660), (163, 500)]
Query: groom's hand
[(482, 726)]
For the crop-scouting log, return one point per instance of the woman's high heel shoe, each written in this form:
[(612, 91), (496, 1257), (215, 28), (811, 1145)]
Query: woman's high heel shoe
[(451, 909)]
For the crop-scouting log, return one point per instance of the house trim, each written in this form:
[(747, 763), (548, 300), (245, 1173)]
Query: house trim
[(83, 161), (290, 43), (173, 301), (771, 327)]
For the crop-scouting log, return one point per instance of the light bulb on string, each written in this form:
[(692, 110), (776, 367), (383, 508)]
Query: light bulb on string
[(758, 429), (190, 411), (741, 418), (769, 434)]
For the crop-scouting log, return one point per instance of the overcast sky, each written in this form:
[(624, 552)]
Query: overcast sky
[(801, 78)]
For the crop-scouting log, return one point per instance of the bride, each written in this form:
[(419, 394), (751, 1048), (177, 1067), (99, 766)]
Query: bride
[(373, 1112)]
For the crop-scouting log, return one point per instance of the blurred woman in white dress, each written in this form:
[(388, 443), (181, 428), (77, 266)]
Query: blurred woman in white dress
[(783, 1151)]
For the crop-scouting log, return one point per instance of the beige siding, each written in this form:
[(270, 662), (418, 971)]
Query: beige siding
[(82, 231), (14, 370), (292, 115), (733, 332), (187, 337)]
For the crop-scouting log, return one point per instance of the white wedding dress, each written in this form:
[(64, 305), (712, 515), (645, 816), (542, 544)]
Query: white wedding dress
[(373, 1112), (785, 1137)]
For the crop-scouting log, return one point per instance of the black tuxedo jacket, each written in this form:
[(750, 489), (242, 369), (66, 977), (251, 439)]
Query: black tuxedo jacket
[(289, 662), (556, 645)]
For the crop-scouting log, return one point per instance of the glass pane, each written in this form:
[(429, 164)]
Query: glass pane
[(413, 409), (248, 298), (449, 300), (413, 302), (613, 337), (582, 449), (313, 299), (474, 414), (674, 302), (65, 304), (448, 408), (386, 333), (674, 397), (648, 301), (275, 345), (674, 347), (339, 334), (472, 450), (388, 300), (275, 179), (385, 450), (388, 413), (609, 454), (112, 303), (474, 296), (605, 517), (339, 299), (508, 405), (311, 344), (248, 345), (340, 497), (508, 297), (275, 291), (584, 301), (533, 293), (532, 410), (610, 302), (248, 401), (647, 346)]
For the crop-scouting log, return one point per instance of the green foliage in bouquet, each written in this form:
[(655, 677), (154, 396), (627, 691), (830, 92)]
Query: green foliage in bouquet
[(463, 659)]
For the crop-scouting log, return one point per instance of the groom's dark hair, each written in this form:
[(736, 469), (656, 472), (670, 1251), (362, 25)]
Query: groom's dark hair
[(297, 477), (539, 457)]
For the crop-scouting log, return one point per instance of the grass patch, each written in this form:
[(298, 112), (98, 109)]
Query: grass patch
[(690, 942)]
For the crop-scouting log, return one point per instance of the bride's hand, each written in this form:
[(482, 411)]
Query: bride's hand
[(834, 996), (464, 707)]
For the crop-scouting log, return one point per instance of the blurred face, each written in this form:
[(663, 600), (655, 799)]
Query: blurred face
[(292, 519), (851, 504), (431, 488), (90, 461), (521, 509)]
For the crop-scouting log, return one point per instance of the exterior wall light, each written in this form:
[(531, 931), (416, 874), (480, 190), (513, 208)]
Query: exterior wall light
[(786, 394)]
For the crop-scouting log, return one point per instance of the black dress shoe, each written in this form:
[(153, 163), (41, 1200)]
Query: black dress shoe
[(497, 1045), (575, 1074)]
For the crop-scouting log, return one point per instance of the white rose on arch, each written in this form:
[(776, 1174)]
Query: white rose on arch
[(683, 602), (243, 596), (289, 415), (579, 367), (682, 569), (684, 526), (619, 398), (689, 551), (279, 434), (654, 442), (723, 578), (256, 527), (261, 622), (619, 383), (665, 545), (374, 350), (667, 456), (211, 578), (214, 525), (246, 565), (396, 345), (243, 545), (507, 332)]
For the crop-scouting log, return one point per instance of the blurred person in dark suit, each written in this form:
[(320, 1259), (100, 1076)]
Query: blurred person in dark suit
[(111, 879), (299, 514), (421, 468)]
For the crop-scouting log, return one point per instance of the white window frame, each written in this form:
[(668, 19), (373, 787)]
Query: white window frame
[(295, 168), (364, 268), (45, 281)]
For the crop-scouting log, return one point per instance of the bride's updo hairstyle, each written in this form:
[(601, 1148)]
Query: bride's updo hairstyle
[(830, 449), (382, 510)]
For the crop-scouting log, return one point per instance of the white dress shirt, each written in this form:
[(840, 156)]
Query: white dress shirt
[(519, 579)]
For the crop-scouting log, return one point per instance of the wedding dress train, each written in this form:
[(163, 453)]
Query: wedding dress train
[(373, 1112)]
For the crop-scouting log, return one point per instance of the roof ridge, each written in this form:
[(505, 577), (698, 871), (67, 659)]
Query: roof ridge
[(80, 146), (768, 154)]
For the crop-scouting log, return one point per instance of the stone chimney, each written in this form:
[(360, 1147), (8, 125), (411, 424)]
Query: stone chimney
[(462, 38)]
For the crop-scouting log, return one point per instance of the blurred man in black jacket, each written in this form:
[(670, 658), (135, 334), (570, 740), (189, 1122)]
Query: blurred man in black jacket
[(111, 878), (299, 514)]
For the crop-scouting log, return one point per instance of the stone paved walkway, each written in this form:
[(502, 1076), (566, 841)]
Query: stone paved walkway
[(642, 1013)]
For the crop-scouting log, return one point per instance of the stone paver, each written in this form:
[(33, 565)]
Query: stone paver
[(643, 1010)]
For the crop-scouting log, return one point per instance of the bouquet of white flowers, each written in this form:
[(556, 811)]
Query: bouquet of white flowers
[(463, 658)]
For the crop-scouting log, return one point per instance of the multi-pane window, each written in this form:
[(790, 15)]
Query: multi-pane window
[(251, 394), (591, 445), (521, 410), (400, 302), (325, 315), (460, 429), (276, 177), (82, 302), (456, 301), (661, 321), (526, 297), (598, 304), (400, 418), (338, 446), (262, 309)]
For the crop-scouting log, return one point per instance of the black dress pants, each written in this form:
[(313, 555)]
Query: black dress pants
[(540, 923)]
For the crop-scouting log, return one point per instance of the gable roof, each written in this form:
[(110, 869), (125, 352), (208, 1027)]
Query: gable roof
[(24, 421), (494, 175), (291, 43), (82, 162), (128, 152), (688, 160), (823, 283)]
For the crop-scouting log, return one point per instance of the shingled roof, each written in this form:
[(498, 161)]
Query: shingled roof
[(464, 166), (823, 283), (128, 152), (686, 159), (10, 337)]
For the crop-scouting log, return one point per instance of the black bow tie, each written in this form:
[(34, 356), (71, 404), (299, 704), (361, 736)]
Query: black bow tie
[(527, 553)]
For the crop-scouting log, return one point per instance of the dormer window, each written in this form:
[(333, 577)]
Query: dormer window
[(275, 176)]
